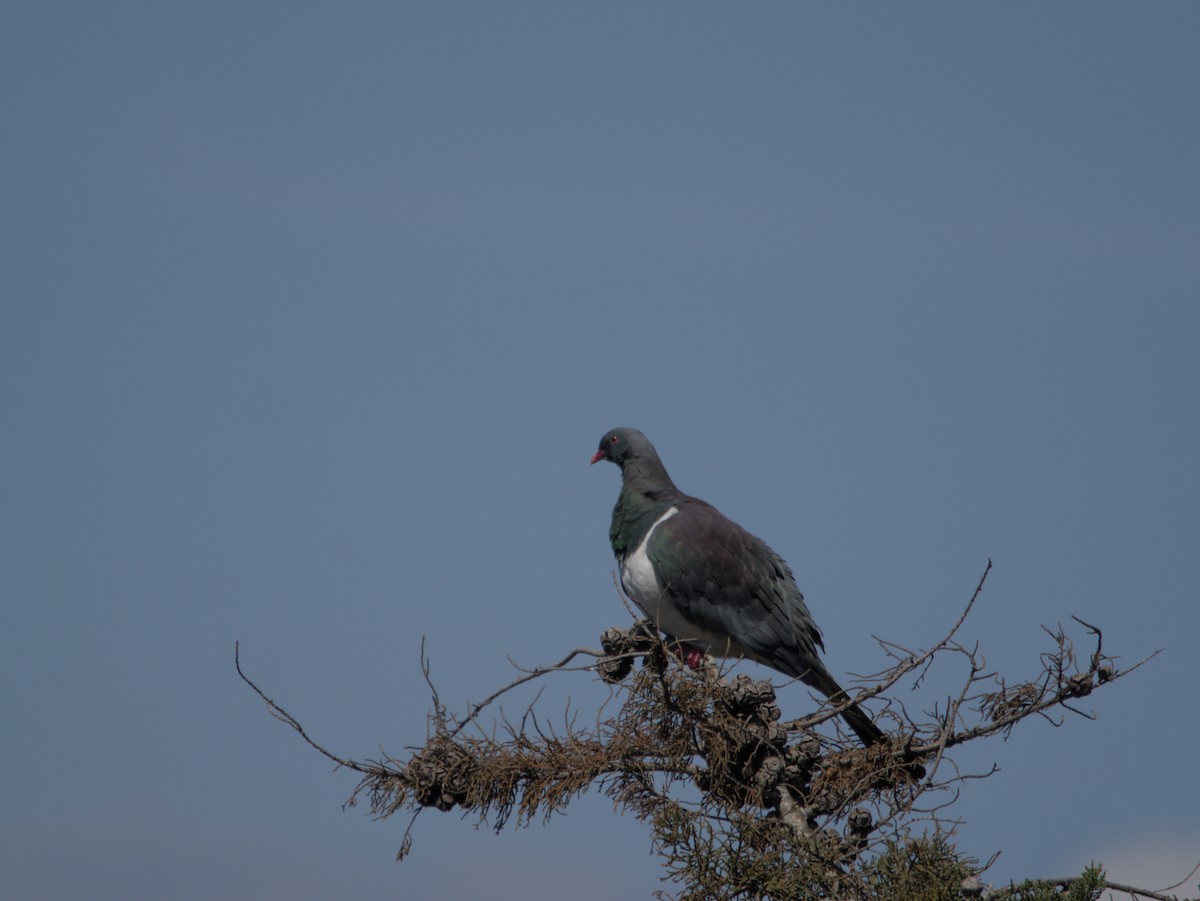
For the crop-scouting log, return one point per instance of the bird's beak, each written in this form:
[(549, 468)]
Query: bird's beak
[(597, 456)]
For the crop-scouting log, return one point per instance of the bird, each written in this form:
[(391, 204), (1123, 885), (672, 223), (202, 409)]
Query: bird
[(709, 584)]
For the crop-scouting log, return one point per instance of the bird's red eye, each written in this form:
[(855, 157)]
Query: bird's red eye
[(612, 440)]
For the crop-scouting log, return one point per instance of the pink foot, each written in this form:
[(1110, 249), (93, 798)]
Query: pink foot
[(695, 656), (691, 654)]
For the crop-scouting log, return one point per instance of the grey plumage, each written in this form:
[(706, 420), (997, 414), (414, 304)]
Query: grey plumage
[(708, 582)]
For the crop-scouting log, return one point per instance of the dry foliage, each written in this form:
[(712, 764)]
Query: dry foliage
[(741, 803)]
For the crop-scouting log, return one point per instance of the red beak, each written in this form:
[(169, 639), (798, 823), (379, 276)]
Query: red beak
[(598, 456)]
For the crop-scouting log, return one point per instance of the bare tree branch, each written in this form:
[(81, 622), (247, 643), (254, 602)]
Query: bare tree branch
[(283, 716), (741, 802)]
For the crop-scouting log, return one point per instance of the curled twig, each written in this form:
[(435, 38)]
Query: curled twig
[(283, 716)]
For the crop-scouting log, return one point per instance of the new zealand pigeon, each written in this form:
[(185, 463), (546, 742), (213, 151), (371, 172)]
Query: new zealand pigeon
[(707, 582)]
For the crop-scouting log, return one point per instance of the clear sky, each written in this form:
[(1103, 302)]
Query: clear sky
[(312, 315)]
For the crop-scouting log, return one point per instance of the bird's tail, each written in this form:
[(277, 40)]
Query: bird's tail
[(856, 718)]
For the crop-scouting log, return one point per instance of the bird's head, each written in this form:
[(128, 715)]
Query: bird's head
[(620, 445)]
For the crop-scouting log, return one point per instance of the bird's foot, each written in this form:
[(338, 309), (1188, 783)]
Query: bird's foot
[(691, 654)]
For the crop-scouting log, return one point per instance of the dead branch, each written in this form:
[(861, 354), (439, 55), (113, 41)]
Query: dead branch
[(1066, 882), (707, 759), (283, 716)]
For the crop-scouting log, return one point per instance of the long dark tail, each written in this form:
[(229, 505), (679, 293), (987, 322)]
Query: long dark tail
[(856, 718)]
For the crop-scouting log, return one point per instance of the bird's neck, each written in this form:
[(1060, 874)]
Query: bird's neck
[(646, 475), (646, 491)]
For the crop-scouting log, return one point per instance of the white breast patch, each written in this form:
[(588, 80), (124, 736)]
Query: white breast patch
[(637, 572), (642, 585)]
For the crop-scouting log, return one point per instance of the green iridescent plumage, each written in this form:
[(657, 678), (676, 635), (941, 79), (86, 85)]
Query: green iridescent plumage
[(708, 582)]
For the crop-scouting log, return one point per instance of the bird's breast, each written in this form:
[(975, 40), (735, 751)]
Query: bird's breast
[(638, 575), (641, 582)]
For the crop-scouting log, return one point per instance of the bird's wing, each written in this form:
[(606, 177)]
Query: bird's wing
[(725, 581)]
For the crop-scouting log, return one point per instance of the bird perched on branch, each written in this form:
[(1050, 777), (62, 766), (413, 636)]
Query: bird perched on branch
[(708, 583)]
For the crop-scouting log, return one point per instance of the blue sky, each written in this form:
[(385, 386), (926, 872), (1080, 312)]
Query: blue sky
[(312, 319)]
